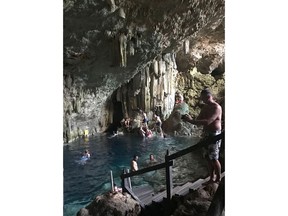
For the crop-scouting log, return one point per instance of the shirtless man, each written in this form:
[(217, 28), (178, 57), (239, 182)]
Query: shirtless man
[(210, 118), (134, 165), (158, 124)]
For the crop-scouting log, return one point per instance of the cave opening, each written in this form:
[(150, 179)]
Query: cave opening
[(117, 113)]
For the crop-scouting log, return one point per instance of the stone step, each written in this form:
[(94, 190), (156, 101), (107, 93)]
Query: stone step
[(142, 190), (159, 197), (183, 190), (147, 200), (147, 197), (199, 183)]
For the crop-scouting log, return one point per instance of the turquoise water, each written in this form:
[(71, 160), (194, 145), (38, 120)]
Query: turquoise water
[(83, 180)]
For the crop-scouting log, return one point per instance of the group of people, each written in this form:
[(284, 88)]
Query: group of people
[(210, 118), (134, 164), (126, 124), (144, 129)]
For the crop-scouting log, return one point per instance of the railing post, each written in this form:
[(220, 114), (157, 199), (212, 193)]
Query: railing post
[(169, 183), (112, 181), (123, 181), (129, 180), (218, 202)]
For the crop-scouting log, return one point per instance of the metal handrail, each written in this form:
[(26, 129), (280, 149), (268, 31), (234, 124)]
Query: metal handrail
[(167, 165)]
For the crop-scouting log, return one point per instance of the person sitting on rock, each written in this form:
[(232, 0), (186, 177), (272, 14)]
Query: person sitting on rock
[(125, 122), (145, 132)]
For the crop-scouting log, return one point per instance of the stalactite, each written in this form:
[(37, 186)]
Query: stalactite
[(142, 86), (147, 76), (122, 49), (131, 48), (138, 39), (186, 46), (173, 58), (124, 100), (147, 90), (161, 67), (136, 83), (112, 5), (122, 13), (68, 81), (165, 82), (115, 52), (155, 67), (153, 90), (161, 96), (158, 94), (69, 108)]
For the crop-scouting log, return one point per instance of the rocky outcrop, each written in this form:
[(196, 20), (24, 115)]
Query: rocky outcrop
[(174, 124), (124, 54), (196, 203), (192, 83), (111, 204)]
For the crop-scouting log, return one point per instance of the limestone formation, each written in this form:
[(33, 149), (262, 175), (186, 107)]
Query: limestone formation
[(107, 45), (122, 13), (186, 46), (131, 48), (112, 5), (122, 49)]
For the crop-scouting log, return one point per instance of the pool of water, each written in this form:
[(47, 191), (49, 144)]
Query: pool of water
[(83, 180)]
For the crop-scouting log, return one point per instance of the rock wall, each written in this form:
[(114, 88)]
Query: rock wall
[(124, 54), (111, 204)]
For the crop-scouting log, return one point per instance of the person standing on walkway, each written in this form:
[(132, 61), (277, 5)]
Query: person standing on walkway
[(210, 118)]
